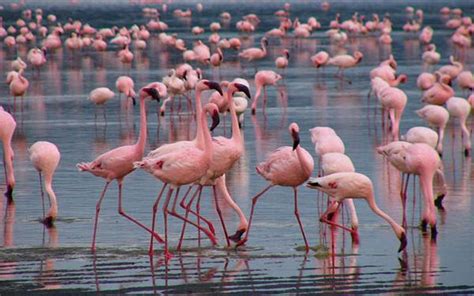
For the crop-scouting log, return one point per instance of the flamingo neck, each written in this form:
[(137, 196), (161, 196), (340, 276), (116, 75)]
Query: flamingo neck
[(140, 145), (53, 210), (373, 206), (207, 138), (222, 188), (199, 139), (236, 136), (306, 165), (426, 183), (257, 95)]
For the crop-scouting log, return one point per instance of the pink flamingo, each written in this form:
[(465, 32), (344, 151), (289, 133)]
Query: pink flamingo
[(37, 57), (431, 56), (262, 79), (281, 62), (117, 163), (461, 109), (438, 117), (125, 55), (286, 166), (181, 167), (8, 124), (425, 81), (254, 53), (217, 58), (202, 51), (465, 80), (45, 157), (19, 85), (452, 70), (225, 153), (440, 92), (100, 96), (354, 185), (394, 100), (345, 61), (125, 85), (320, 59), (421, 134)]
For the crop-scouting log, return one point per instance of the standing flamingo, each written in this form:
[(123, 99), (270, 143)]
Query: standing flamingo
[(354, 185), (281, 62), (345, 61), (45, 157), (8, 124), (117, 163), (461, 109), (262, 79), (125, 85), (438, 117), (19, 85), (286, 166), (254, 53), (178, 168)]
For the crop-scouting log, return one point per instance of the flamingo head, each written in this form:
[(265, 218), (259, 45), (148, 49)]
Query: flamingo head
[(150, 91), (295, 134), (241, 88), (287, 53), (403, 78), (207, 85), (264, 41), (358, 56), (213, 110), (403, 241)]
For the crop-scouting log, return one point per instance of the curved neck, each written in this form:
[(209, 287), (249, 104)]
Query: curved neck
[(53, 210), (236, 136), (207, 137), (140, 145), (371, 201), (307, 167), (222, 188), (199, 139)]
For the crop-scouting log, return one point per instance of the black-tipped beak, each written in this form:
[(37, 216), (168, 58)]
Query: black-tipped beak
[(312, 183), (215, 120), (265, 42), (237, 236), (134, 101), (244, 89), (296, 140), (214, 85), (287, 55), (403, 242), (153, 92), (44, 51)]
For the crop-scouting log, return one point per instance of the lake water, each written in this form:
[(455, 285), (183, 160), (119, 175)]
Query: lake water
[(33, 259)]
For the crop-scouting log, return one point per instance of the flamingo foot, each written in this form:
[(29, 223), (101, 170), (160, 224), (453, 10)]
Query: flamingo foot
[(236, 237), (439, 202), (48, 221), (403, 242)]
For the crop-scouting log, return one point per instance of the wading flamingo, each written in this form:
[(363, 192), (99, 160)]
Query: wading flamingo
[(178, 168), (117, 163), (436, 116), (262, 79), (354, 185), (281, 62), (8, 124), (125, 85), (461, 109), (345, 61), (45, 157), (18, 85), (286, 166), (254, 53)]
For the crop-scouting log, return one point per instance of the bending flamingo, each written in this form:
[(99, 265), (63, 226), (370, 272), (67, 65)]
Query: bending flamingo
[(262, 79), (117, 163), (8, 124), (45, 157), (286, 166), (354, 185)]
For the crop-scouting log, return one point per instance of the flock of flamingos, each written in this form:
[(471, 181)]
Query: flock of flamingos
[(205, 160)]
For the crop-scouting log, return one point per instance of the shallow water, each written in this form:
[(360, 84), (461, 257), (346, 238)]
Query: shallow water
[(34, 259)]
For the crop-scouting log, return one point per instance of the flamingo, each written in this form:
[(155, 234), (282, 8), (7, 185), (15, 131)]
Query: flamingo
[(37, 57), (282, 61), (100, 96), (438, 117), (431, 56), (19, 85), (461, 109), (225, 152), (465, 80), (45, 157), (117, 163), (125, 85), (286, 166), (320, 59), (452, 70), (181, 167), (345, 61), (262, 79), (254, 53), (125, 55), (355, 185), (421, 134), (8, 124), (440, 92), (425, 81), (394, 100)]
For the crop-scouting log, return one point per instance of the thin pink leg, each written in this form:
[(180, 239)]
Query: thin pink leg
[(206, 231), (155, 209), (189, 210), (97, 210), (167, 254), (404, 201), (297, 215), (42, 194), (122, 212), (219, 212), (254, 202), (333, 208), (183, 228), (198, 211)]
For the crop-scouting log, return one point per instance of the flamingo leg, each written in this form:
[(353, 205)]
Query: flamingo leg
[(183, 228), (327, 216), (97, 210), (167, 254), (42, 194), (219, 212), (189, 210), (404, 199), (254, 202), (297, 215), (130, 218), (198, 211), (155, 208), (206, 231)]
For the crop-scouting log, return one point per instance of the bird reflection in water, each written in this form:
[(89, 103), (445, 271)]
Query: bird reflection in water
[(47, 276), (7, 268)]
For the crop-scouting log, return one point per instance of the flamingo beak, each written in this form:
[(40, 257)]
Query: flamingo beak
[(313, 183), (403, 242), (215, 86), (237, 236), (153, 92), (134, 101), (243, 89), (215, 120)]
